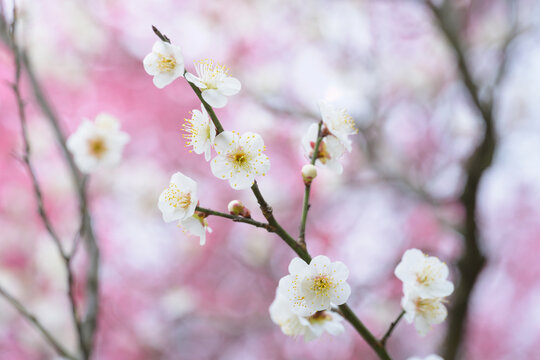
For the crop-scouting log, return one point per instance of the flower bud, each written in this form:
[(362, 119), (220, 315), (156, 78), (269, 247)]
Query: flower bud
[(309, 172), (237, 208)]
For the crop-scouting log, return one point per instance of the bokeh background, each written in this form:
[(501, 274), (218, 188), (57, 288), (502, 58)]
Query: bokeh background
[(165, 297)]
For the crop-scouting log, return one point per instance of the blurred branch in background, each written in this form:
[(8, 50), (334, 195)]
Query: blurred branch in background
[(472, 260), (86, 328)]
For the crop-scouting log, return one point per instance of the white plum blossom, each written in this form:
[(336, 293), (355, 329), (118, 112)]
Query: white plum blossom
[(165, 63), (196, 225), (200, 132), (315, 287), (214, 81), (330, 149), (429, 357), (239, 158), (426, 275), (423, 311), (338, 122), (179, 200), (96, 144), (311, 327)]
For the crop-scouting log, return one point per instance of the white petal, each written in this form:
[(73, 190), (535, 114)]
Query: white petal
[(230, 86), (252, 142), (341, 293), (297, 266), (339, 271), (321, 264), (163, 79), (334, 328), (195, 80), (150, 64), (214, 98), (221, 167), (226, 142), (241, 180)]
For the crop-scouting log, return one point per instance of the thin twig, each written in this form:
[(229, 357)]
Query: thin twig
[(391, 328), (472, 260), (295, 246), (56, 345), (307, 189), (235, 218)]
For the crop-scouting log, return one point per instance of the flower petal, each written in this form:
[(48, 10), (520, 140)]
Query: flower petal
[(230, 86), (214, 98)]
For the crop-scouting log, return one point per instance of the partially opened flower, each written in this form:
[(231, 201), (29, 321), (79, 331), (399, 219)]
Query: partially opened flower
[(165, 63), (330, 149), (339, 123), (315, 287), (96, 144), (426, 275), (424, 312), (196, 225), (310, 327), (239, 158), (200, 132), (179, 200), (214, 81)]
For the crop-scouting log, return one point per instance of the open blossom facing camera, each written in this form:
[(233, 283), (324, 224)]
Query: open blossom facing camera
[(330, 149), (165, 63), (424, 312), (215, 83), (200, 133), (179, 200), (315, 287), (424, 274), (239, 158), (98, 143), (310, 327), (196, 225), (339, 123)]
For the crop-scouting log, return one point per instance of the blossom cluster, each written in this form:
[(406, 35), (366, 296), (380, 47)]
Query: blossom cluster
[(425, 286), (305, 297)]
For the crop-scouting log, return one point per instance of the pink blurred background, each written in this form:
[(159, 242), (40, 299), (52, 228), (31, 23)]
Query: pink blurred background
[(165, 297)]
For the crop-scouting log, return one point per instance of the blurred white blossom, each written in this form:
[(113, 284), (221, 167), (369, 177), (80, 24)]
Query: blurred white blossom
[(98, 143), (424, 312), (426, 275), (330, 149), (339, 123)]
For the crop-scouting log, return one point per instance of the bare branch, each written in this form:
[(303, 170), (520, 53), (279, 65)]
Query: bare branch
[(58, 347)]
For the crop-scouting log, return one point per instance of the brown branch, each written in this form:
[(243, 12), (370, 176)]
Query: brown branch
[(86, 328), (235, 218), (472, 260)]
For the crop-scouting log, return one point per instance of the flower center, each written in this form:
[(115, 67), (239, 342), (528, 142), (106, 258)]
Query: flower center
[(426, 276), (166, 63), (176, 198), (240, 159), (321, 285), (427, 306), (97, 147), (323, 155), (319, 317)]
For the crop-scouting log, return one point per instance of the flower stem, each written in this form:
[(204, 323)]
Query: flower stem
[(391, 328), (275, 227), (235, 218), (307, 190)]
